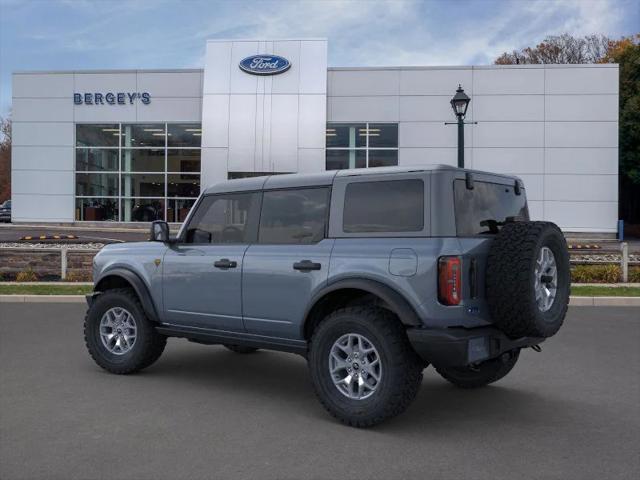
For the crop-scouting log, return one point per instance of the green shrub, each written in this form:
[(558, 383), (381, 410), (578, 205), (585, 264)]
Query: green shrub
[(596, 274), (634, 274), (27, 275), (78, 277)]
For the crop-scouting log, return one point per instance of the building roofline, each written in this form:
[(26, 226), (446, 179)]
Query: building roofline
[(104, 71), (480, 67), (330, 69)]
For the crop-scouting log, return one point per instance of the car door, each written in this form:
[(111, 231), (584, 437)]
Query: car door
[(202, 273), (289, 263)]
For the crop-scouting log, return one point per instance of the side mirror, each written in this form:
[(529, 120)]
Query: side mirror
[(159, 231)]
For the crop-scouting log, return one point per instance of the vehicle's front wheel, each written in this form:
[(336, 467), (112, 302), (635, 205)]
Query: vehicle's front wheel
[(363, 368), (483, 374), (119, 336)]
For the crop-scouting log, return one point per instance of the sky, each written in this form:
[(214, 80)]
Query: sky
[(110, 34)]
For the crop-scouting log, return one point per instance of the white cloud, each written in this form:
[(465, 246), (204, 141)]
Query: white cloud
[(405, 32)]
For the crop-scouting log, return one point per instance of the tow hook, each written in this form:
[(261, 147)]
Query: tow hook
[(536, 348)]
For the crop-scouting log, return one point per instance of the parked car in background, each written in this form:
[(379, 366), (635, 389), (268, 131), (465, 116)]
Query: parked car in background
[(5, 211)]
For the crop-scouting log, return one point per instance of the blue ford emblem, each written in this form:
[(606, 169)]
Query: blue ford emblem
[(265, 64)]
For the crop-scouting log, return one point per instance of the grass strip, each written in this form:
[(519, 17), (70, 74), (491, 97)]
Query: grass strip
[(52, 289), (600, 291)]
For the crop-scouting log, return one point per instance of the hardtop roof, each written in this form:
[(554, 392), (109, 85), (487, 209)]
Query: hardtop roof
[(293, 180)]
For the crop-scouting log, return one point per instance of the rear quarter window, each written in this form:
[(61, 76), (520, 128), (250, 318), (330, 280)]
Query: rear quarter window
[(384, 206), (476, 208)]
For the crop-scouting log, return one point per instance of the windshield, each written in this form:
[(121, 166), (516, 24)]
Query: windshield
[(485, 207)]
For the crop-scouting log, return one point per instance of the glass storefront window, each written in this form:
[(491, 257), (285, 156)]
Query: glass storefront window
[(344, 159), (236, 175), (142, 209), (144, 135), (152, 173), (94, 135), (183, 185), (346, 135), (96, 159), (143, 185), (184, 135), (383, 158), (178, 209), (143, 160), (96, 185), (96, 209), (183, 161), (361, 145), (383, 135)]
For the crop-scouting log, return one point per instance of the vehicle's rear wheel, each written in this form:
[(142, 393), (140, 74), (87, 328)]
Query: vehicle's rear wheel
[(119, 336), (528, 279), (240, 348), (483, 374), (362, 366)]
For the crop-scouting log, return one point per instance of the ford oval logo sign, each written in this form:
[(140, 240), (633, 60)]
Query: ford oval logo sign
[(265, 64)]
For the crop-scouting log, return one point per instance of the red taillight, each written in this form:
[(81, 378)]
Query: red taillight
[(449, 280)]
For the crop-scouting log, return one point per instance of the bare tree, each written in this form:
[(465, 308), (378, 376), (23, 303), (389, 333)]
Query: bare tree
[(5, 159)]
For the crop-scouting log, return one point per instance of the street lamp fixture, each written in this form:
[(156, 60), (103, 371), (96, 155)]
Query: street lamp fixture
[(459, 104)]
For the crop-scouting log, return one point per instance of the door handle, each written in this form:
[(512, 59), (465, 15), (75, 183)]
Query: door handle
[(225, 263), (306, 265)]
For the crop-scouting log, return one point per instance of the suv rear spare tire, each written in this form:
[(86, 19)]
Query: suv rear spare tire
[(528, 279)]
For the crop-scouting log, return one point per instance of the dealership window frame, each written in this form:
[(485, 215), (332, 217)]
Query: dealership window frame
[(122, 200), (330, 127)]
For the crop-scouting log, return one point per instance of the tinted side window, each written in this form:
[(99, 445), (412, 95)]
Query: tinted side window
[(487, 201), (296, 216), (384, 206), (228, 218)]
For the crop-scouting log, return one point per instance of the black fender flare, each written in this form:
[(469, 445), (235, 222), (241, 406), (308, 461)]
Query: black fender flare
[(138, 286), (396, 302)]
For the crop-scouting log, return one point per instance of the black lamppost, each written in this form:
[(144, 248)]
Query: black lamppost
[(460, 103)]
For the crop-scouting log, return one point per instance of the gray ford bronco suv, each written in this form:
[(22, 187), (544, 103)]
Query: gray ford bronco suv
[(372, 275)]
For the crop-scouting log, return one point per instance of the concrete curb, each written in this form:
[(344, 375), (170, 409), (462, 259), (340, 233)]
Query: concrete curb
[(574, 301), (604, 301)]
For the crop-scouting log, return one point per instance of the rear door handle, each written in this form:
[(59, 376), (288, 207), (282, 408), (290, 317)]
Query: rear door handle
[(306, 265), (225, 263)]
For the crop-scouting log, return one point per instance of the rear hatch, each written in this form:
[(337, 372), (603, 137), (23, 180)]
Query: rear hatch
[(481, 208)]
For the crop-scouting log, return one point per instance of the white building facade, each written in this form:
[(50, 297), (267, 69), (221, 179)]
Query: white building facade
[(123, 146)]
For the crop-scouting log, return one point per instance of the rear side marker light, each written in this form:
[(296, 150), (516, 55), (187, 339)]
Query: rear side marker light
[(449, 280)]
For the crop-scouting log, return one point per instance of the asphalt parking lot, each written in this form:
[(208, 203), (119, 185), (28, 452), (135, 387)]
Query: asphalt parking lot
[(572, 411)]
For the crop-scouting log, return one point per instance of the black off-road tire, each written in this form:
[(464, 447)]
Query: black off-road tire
[(510, 279), (483, 374), (401, 367), (148, 346), (240, 348)]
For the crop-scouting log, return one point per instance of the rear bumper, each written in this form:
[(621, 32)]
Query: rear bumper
[(457, 347)]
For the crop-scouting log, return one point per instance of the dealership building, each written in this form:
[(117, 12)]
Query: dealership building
[(137, 145)]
